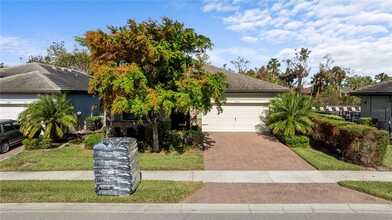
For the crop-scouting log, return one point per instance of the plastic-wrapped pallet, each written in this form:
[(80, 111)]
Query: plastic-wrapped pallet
[(116, 166)]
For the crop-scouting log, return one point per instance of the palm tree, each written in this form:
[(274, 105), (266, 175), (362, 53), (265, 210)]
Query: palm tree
[(51, 114), (290, 114)]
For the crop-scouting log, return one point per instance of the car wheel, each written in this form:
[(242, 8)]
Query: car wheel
[(5, 147)]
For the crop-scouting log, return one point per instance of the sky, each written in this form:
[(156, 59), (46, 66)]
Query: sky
[(355, 34)]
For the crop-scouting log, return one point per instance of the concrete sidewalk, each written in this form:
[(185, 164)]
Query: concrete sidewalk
[(218, 176), (196, 208)]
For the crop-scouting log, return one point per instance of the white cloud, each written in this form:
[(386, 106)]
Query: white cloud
[(247, 20), (357, 34), (293, 25), (219, 6), (249, 39), (18, 46)]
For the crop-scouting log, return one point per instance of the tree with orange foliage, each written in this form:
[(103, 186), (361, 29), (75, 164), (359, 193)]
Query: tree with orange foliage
[(152, 69)]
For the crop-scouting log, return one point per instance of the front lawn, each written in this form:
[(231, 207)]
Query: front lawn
[(322, 161), (380, 189), (73, 157), (17, 191)]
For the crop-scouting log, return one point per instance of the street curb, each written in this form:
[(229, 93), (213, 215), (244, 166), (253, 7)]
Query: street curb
[(195, 208)]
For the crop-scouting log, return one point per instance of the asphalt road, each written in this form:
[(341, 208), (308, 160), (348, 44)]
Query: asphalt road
[(5, 215)]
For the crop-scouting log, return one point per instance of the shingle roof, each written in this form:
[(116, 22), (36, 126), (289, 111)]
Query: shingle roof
[(382, 88), (42, 78), (239, 83)]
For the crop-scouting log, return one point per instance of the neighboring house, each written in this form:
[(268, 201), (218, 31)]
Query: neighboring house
[(247, 99), (22, 84), (376, 102)]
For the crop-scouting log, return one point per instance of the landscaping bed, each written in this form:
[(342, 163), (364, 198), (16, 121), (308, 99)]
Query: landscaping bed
[(379, 189), (74, 157), (27, 191)]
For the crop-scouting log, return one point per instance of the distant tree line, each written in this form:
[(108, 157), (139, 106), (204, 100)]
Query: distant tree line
[(58, 55), (326, 85)]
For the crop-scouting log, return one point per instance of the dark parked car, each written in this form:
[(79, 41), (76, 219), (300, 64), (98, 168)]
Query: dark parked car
[(9, 134)]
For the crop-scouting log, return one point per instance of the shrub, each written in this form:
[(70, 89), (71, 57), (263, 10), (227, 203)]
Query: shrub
[(290, 114), (360, 143), (91, 140), (334, 117), (35, 143), (369, 121), (182, 140), (294, 141), (93, 123), (45, 143)]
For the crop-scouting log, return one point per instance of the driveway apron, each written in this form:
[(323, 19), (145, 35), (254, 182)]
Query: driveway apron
[(249, 151)]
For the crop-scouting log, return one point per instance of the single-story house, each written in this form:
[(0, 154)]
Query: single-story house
[(247, 99), (376, 102), (22, 84)]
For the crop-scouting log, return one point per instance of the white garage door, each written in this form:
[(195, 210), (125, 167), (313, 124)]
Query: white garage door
[(10, 111), (235, 118)]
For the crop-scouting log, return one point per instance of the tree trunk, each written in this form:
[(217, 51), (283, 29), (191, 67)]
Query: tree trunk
[(155, 139)]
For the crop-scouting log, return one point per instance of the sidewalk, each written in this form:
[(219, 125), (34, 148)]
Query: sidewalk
[(196, 208), (218, 176)]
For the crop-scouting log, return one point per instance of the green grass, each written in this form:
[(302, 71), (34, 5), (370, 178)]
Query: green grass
[(73, 157), (322, 161), (380, 189), (17, 191), (388, 158)]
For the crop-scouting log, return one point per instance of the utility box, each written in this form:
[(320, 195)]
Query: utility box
[(116, 166)]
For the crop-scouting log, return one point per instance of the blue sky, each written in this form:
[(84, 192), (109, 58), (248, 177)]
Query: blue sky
[(356, 34)]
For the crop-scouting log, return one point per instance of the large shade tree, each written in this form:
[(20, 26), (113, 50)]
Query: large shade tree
[(152, 69)]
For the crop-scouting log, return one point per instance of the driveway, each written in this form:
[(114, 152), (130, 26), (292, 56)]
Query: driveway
[(249, 151), (280, 193), (13, 151)]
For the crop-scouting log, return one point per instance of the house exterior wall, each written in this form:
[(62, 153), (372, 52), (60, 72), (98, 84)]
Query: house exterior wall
[(18, 102), (84, 103), (379, 107)]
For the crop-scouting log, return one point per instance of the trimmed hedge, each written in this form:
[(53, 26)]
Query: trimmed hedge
[(361, 144), (369, 121), (334, 117), (92, 139), (294, 141), (35, 143)]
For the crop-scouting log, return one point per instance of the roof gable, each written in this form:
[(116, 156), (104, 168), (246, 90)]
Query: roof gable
[(42, 78), (239, 83), (382, 88)]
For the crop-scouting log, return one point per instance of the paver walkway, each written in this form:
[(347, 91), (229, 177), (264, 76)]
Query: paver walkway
[(280, 193), (249, 151)]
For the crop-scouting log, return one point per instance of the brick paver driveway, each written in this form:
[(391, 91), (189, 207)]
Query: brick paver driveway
[(249, 151), (280, 193)]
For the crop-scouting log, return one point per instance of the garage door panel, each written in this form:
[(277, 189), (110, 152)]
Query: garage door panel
[(235, 118), (10, 111)]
